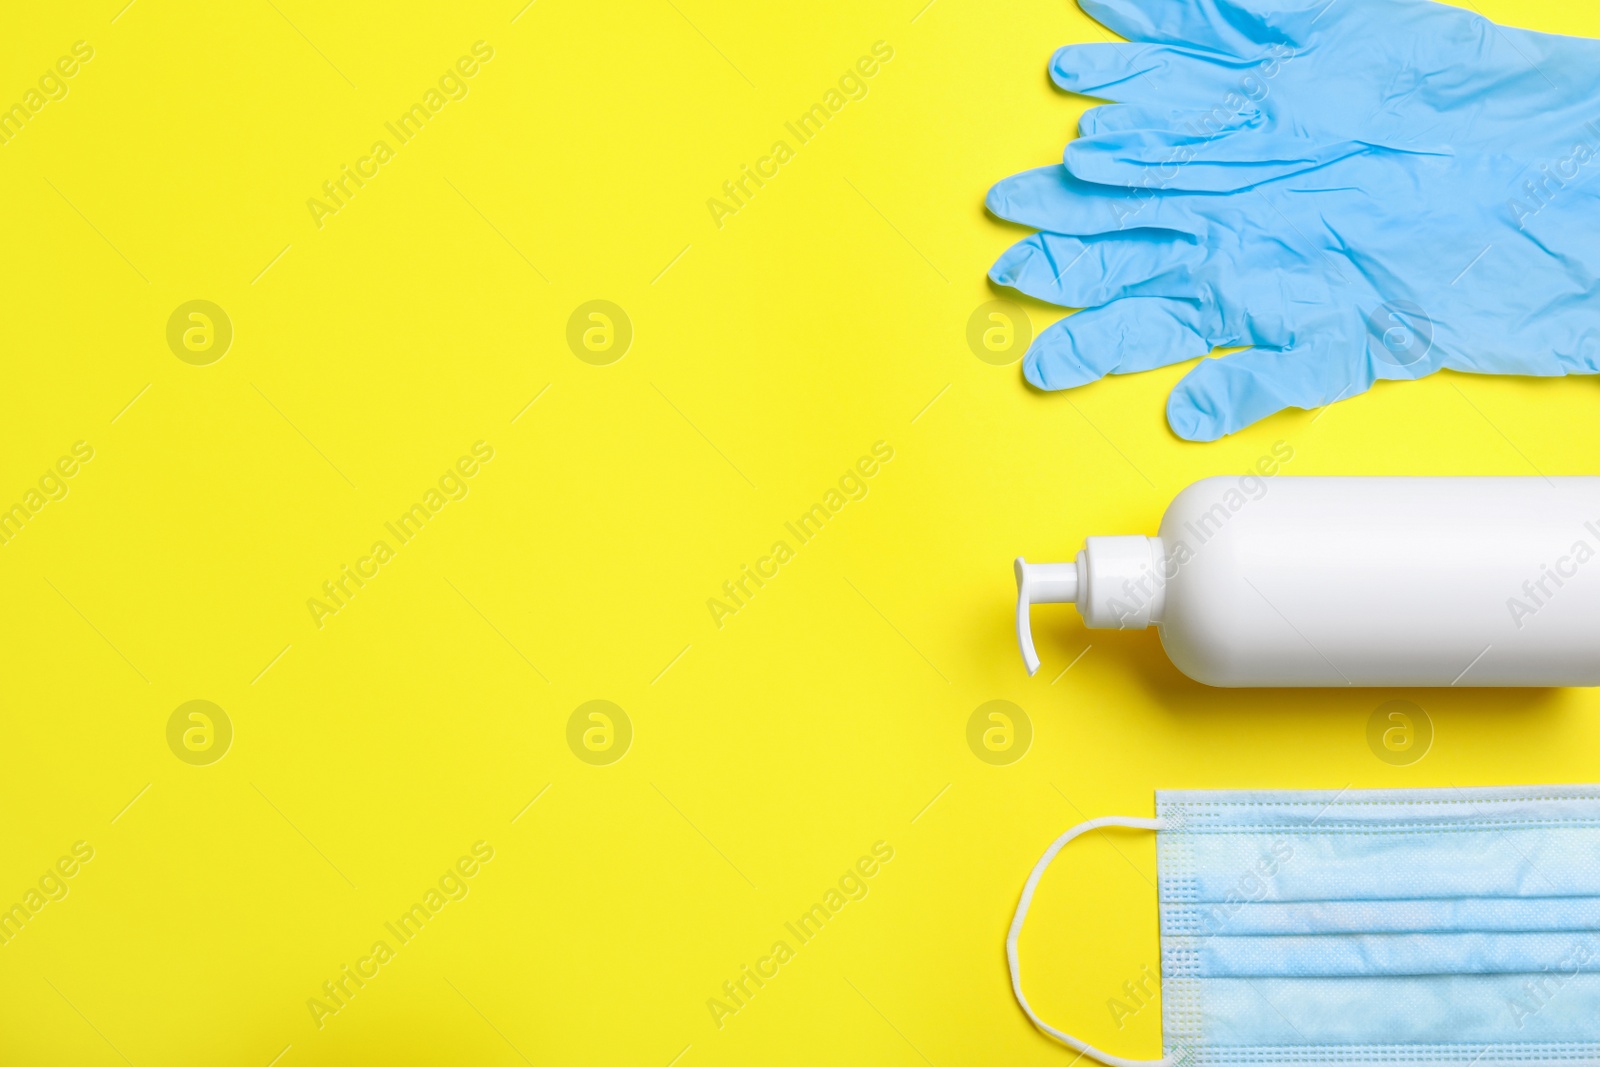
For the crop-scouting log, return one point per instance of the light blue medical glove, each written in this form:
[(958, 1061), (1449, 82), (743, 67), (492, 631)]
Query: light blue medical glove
[(1363, 190)]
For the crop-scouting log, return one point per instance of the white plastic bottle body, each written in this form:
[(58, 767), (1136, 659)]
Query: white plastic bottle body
[(1383, 581)]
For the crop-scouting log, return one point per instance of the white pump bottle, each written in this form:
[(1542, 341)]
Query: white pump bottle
[(1318, 581)]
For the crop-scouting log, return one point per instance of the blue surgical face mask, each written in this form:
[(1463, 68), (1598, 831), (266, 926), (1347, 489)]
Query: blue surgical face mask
[(1423, 927)]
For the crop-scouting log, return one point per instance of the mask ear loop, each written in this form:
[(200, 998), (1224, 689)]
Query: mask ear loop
[(1016, 934)]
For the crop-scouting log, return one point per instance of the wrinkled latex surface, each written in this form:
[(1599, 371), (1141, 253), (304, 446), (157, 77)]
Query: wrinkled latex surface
[(1361, 190)]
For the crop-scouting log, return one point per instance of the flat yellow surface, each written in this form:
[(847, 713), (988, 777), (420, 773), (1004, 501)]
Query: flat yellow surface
[(424, 718)]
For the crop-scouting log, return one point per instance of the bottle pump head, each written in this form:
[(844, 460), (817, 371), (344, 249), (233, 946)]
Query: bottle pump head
[(1117, 583), (1041, 583)]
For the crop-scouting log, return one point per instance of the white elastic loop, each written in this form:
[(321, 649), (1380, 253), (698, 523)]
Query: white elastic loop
[(1016, 934)]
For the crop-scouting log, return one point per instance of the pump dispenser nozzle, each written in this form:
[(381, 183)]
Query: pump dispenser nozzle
[(1041, 583), (1115, 582)]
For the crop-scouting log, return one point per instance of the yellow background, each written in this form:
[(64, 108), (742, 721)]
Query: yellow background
[(768, 355)]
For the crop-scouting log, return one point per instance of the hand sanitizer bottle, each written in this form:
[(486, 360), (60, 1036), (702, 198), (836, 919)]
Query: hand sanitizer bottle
[(1296, 581)]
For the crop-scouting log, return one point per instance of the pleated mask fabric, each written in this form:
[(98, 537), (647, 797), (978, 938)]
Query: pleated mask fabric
[(1446, 927)]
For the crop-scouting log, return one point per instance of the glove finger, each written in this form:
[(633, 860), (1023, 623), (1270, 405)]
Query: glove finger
[(1091, 271), (1219, 26), (1223, 162), (1133, 334), (1138, 73), (1223, 395), (1052, 198), (1120, 118)]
